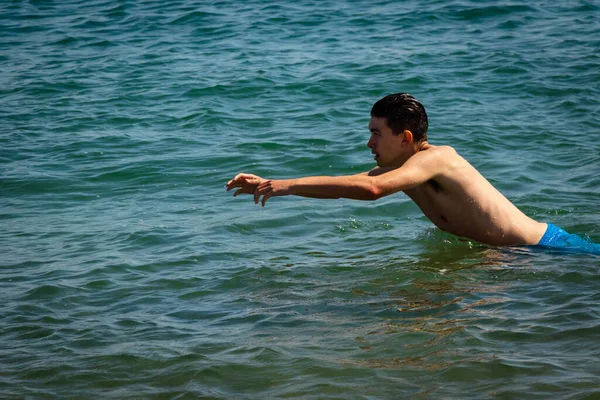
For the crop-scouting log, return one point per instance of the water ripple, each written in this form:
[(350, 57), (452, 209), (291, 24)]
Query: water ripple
[(127, 270)]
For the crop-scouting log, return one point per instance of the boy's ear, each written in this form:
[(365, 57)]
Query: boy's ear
[(407, 137)]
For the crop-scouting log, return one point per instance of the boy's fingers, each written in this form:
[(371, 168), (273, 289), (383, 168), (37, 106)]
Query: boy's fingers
[(262, 185), (265, 197), (244, 176), (267, 193), (256, 195)]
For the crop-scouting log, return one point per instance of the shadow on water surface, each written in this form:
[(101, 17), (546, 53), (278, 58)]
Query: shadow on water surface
[(441, 299), (423, 308)]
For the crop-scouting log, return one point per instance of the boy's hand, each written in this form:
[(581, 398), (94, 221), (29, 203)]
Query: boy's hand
[(270, 188), (259, 187), (246, 182)]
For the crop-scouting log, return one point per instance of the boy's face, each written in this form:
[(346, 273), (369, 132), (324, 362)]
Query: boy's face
[(388, 148)]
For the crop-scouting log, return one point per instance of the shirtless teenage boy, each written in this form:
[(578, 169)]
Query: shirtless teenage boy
[(449, 190)]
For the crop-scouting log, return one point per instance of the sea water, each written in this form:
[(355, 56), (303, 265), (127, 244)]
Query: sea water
[(127, 270)]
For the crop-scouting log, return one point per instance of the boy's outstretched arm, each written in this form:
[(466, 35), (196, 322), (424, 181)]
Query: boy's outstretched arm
[(358, 187), (370, 185), (257, 186)]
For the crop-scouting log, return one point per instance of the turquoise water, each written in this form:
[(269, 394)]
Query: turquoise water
[(127, 270)]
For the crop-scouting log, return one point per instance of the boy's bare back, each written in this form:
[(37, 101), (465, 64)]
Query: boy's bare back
[(461, 201)]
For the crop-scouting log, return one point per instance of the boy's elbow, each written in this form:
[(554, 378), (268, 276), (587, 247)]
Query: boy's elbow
[(374, 193)]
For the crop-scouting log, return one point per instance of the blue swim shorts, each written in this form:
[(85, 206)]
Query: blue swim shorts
[(558, 238)]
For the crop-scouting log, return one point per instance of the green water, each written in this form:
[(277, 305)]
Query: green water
[(127, 270)]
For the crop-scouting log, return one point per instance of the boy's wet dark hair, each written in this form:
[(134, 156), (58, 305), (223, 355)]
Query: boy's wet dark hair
[(403, 112)]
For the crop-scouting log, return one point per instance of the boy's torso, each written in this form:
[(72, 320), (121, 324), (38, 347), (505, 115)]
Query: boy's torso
[(461, 201)]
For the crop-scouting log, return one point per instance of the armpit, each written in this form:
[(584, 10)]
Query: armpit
[(435, 185)]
